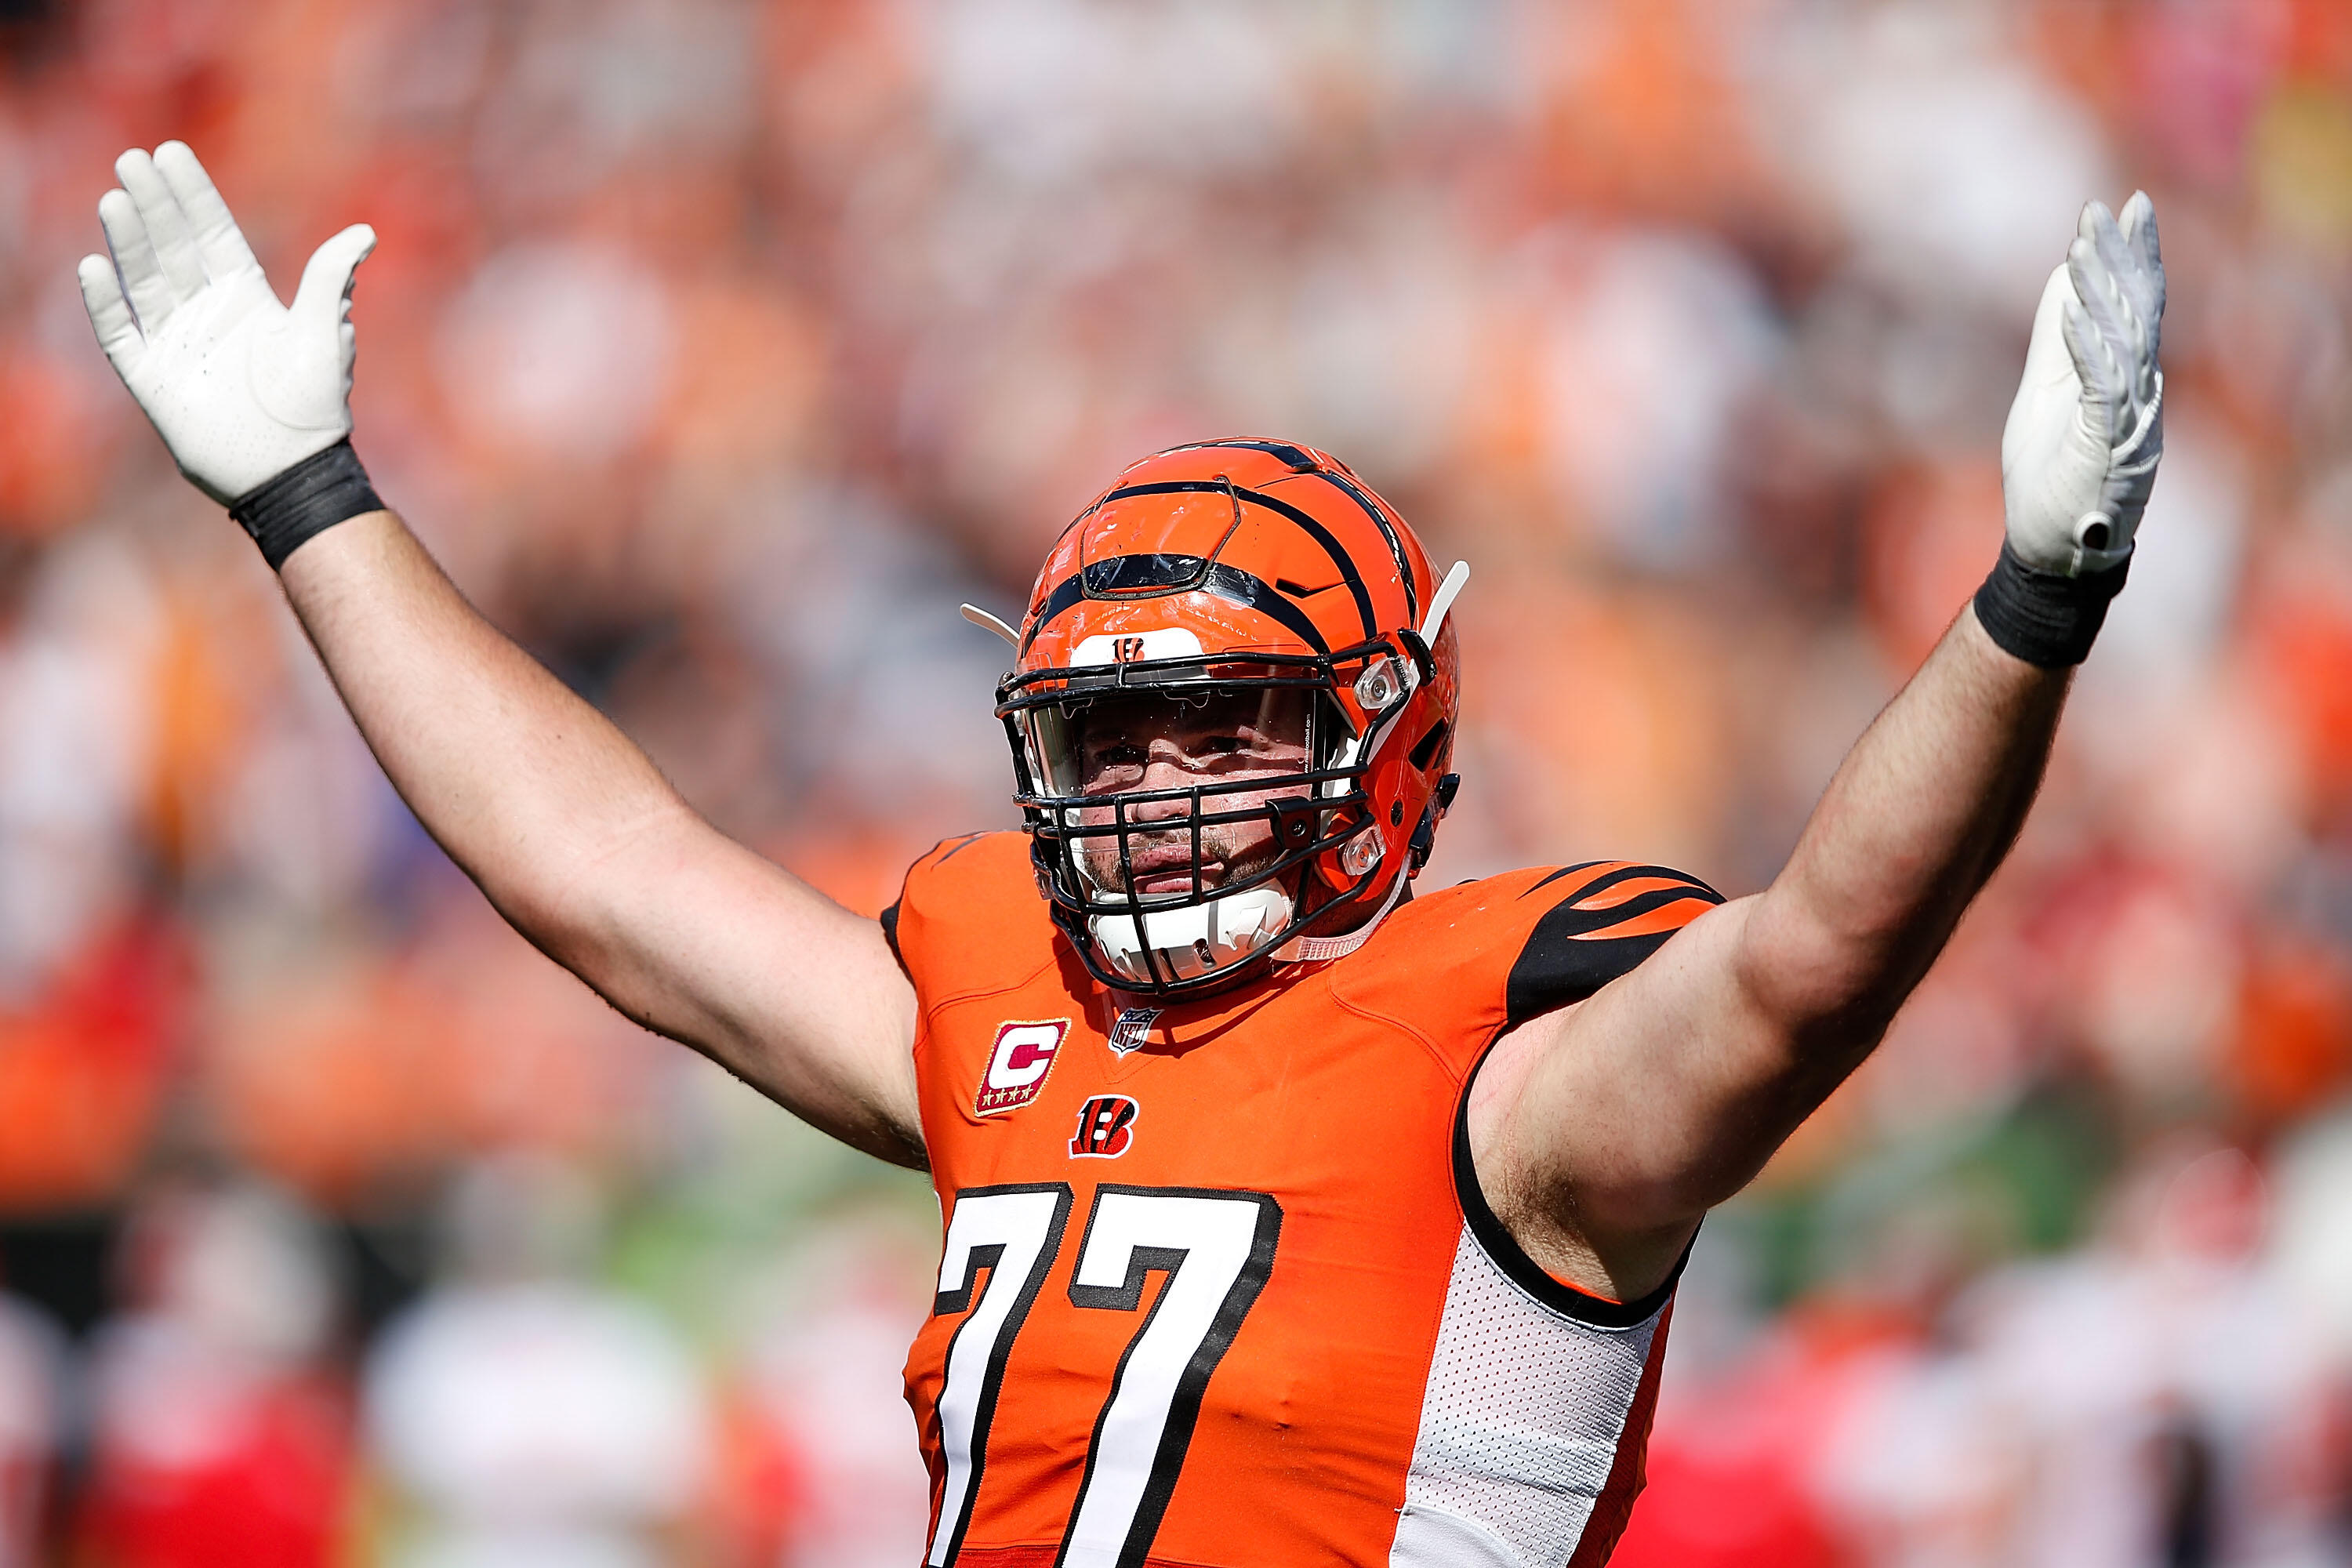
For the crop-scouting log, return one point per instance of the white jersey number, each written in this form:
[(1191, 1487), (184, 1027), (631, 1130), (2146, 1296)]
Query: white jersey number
[(1216, 1248), (1013, 1233)]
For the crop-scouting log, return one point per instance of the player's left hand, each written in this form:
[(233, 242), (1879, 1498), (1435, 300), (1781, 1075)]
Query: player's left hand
[(2078, 456), (240, 387)]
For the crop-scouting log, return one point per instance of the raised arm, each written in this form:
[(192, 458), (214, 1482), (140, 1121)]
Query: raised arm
[(1602, 1132), (564, 823), (586, 849)]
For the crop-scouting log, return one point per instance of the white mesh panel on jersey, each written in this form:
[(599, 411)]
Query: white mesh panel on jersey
[(1519, 1425)]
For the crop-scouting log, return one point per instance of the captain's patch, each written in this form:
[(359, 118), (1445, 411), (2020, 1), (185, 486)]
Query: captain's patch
[(1017, 1064)]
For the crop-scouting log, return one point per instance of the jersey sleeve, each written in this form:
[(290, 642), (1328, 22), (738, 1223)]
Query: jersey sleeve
[(969, 916), (1460, 965), (1599, 921)]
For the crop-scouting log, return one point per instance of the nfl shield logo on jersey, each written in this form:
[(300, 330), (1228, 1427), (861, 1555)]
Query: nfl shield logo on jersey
[(1105, 1127), (1134, 1028), (1017, 1064)]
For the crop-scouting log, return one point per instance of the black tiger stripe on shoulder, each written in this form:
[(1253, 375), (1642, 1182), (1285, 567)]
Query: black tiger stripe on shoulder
[(1609, 917)]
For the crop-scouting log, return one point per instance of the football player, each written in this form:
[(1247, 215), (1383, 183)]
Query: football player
[(1287, 1218)]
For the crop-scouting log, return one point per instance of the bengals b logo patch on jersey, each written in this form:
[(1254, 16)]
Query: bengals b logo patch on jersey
[(1105, 1127), (1017, 1064)]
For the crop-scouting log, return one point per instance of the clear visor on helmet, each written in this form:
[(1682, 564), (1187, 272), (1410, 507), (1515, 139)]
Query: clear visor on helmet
[(1114, 742)]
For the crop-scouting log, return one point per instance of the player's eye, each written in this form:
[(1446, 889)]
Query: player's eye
[(1114, 754)]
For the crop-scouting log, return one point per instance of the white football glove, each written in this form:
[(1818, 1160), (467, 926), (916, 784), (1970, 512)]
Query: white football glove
[(2078, 456), (239, 388)]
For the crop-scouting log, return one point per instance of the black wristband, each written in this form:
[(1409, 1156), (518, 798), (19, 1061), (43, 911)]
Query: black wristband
[(322, 491), (2043, 618)]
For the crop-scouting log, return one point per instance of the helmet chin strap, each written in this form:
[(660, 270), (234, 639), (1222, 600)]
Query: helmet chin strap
[(1316, 949), (1192, 940), (1224, 928)]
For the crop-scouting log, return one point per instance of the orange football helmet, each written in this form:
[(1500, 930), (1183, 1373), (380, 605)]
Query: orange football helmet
[(1222, 568)]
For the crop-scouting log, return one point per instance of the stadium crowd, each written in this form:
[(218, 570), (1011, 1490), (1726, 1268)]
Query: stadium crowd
[(720, 349)]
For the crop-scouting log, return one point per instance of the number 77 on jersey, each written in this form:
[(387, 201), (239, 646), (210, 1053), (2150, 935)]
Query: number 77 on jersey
[(1215, 1250)]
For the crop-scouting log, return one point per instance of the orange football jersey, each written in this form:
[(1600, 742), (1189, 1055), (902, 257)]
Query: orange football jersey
[(1218, 1286)]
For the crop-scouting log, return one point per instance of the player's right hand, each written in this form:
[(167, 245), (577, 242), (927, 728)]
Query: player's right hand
[(240, 387), (2078, 456)]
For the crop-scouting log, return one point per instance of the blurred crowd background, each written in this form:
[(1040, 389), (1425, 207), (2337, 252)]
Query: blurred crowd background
[(720, 349)]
